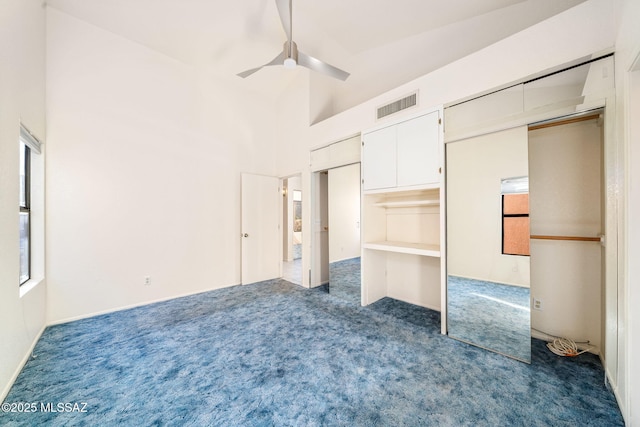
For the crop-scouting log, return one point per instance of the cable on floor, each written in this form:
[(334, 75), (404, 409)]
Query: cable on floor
[(564, 346)]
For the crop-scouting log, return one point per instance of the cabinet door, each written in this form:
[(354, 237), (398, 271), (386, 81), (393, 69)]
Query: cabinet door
[(379, 159), (418, 151)]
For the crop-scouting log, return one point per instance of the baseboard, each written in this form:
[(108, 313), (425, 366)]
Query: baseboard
[(613, 386), (317, 285), (128, 307), (25, 359)]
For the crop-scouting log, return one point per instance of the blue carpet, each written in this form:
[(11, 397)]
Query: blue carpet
[(275, 354), (491, 315), (344, 280)]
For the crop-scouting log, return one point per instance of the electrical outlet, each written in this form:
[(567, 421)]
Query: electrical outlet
[(147, 280), (537, 304)]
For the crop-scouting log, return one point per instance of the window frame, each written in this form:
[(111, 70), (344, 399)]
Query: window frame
[(26, 207), (505, 215)]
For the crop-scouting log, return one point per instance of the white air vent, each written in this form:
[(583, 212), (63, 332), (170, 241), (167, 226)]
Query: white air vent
[(399, 105)]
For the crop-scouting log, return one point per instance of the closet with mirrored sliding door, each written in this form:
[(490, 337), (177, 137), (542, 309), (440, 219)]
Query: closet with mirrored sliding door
[(528, 168)]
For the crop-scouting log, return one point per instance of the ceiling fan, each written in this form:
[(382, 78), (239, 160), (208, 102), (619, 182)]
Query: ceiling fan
[(291, 56)]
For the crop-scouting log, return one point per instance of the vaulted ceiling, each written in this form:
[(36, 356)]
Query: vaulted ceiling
[(381, 43)]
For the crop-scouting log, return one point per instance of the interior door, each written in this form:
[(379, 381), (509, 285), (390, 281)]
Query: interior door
[(487, 288), (260, 228)]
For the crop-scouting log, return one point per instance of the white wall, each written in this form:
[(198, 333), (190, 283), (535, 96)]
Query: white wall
[(632, 301), (475, 168), (344, 212), (144, 162), (628, 135), (292, 155), (22, 98)]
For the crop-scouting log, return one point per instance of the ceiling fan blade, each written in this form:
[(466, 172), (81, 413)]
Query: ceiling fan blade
[(275, 61), (247, 73), (321, 67), (284, 9)]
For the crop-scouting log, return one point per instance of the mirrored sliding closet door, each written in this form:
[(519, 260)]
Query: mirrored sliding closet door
[(488, 242)]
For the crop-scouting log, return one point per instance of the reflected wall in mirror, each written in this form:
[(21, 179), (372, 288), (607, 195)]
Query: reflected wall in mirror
[(487, 252), (292, 229), (344, 233)]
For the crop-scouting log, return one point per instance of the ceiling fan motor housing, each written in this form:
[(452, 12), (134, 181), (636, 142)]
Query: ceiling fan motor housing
[(290, 54)]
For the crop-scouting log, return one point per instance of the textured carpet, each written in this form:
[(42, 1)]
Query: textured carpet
[(344, 280), (491, 315), (276, 354)]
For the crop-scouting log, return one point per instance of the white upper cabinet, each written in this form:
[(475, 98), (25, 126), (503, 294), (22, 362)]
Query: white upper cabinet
[(403, 155), (379, 159), (417, 151)]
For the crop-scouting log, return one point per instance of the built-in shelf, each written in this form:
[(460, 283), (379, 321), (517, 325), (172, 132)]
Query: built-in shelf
[(407, 203), (400, 190), (405, 248), (402, 202)]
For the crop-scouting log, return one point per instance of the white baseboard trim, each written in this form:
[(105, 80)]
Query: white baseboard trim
[(128, 307), (613, 386), (20, 366)]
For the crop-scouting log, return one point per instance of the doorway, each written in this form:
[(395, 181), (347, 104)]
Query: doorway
[(292, 229)]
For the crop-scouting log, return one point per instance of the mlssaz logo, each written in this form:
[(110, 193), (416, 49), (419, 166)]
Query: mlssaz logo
[(63, 407)]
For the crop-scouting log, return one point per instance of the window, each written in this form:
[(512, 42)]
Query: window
[(25, 212), (515, 216), (29, 146)]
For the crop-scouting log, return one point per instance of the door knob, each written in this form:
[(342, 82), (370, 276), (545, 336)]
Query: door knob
[(245, 235)]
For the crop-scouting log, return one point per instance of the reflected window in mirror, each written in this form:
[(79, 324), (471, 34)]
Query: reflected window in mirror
[(515, 216)]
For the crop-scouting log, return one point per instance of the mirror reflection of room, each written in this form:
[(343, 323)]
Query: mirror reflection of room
[(344, 233), (292, 230), (488, 242)]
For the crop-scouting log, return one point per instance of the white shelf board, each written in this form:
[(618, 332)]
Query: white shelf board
[(407, 203), (405, 248), (414, 188)]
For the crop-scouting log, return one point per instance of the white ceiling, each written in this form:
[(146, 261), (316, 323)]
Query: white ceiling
[(369, 38)]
